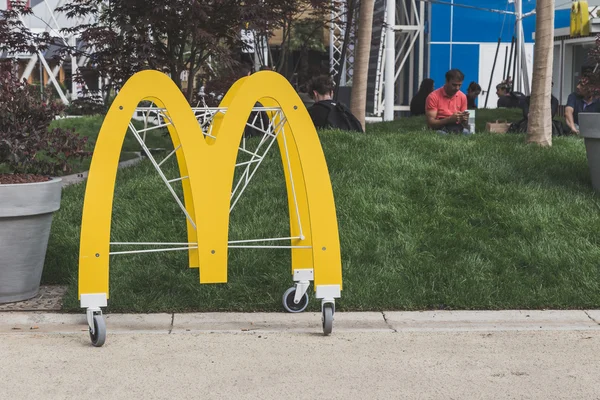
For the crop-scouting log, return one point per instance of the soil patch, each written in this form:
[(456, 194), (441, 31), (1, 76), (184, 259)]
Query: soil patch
[(22, 178)]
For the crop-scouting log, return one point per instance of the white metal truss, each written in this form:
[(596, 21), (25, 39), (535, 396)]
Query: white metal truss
[(337, 31), (250, 156), (410, 43), (46, 12)]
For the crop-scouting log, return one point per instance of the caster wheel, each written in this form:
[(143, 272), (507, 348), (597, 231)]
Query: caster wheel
[(327, 319), (99, 336), (288, 301)]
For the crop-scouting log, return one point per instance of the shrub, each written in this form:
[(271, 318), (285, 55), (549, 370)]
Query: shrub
[(86, 106), (27, 145)]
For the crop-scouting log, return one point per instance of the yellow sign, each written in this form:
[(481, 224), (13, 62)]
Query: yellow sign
[(580, 19), (209, 165)]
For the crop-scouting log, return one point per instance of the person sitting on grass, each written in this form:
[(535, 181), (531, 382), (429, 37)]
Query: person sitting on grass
[(446, 107), (417, 104), (582, 100), (473, 91), (326, 113), (506, 97)]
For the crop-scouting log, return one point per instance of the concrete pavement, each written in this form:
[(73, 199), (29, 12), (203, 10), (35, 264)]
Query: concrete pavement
[(412, 355)]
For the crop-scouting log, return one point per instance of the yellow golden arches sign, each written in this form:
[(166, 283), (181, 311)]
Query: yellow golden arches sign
[(580, 19), (208, 165)]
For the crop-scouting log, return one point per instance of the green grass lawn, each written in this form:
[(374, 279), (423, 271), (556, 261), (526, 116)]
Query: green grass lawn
[(426, 222), (89, 127), (418, 123)]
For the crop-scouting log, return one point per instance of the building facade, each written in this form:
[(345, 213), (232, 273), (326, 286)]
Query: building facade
[(464, 34), (570, 54)]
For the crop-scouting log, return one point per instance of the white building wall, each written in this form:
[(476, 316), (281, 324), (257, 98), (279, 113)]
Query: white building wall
[(42, 16), (487, 52)]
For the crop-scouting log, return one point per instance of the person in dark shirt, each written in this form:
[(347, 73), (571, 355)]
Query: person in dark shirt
[(505, 98), (326, 113), (417, 104), (582, 100), (473, 91), (554, 104)]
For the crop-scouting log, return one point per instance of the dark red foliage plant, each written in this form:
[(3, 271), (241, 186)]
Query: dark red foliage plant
[(27, 144), (592, 76)]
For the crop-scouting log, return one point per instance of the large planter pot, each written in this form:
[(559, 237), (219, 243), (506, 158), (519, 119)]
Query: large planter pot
[(589, 129), (25, 219)]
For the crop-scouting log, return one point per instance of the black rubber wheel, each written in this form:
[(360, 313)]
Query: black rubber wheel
[(327, 319), (99, 336), (288, 301)]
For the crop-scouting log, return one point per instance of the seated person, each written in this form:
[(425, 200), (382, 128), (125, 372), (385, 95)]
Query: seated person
[(506, 99), (473, 91), (521, 126), (417, 104), (326, 113), (446, 107), (554, 104), (582, 100)]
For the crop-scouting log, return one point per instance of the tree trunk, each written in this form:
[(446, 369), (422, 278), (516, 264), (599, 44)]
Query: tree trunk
[(358, 101), (539, 129)]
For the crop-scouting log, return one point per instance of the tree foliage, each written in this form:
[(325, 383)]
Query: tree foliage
[(14, 37), (291, 15), (175, 36)]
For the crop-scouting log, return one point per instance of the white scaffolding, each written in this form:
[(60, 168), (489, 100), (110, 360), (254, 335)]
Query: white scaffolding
[(401, 50), (401, 54), (405, 27), (337, 33), (46, 19)]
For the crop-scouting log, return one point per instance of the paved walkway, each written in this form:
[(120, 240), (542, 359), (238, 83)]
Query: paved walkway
[(390, 355), (308, 323)]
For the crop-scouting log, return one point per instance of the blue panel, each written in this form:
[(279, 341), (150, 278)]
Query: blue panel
[(439, 63), (470, 25), (482, 26), (466, 58), (440, 23), (562, 19)]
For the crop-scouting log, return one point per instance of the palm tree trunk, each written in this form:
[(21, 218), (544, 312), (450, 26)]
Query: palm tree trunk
[(539, 129), (358, 101)]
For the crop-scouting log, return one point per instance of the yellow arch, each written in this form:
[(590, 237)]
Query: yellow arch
[(210, 167), (97, 206), (312, 184)]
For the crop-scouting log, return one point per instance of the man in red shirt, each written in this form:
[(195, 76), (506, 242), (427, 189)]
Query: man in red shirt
[(446, 107)]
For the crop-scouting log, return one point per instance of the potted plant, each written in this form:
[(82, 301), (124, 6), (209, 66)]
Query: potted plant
[(30, 154), (589, 123)]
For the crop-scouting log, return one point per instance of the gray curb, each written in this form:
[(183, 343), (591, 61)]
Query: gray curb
[(82, 176), (389, 321)]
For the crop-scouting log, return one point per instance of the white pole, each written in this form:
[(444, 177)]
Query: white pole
[(519, 23), (390, 61), (451, 32), (345, 18), (331, 42), (421, 40), (74, 69), (411, 59)]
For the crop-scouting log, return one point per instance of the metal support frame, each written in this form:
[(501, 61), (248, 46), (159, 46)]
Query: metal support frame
[(409, 44), (205, 115), (522, 77), (337, 30), (405, 32), (52, 26)]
